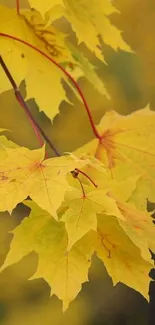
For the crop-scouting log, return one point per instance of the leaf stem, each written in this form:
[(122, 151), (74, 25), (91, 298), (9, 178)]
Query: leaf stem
[(38, 130), (17, 7), (84, 174), (83, 191), (96, 133)]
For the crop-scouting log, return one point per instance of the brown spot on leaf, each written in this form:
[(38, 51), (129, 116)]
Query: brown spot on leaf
[(3, 177)]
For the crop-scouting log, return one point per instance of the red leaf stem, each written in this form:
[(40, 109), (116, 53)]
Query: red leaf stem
[(84, 174)]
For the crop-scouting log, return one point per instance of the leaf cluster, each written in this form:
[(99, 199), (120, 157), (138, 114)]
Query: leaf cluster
[(94, 199)]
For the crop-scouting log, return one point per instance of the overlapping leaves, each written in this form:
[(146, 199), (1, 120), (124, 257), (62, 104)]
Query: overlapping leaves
[(105, 219), (25, 39), (70, 219), (94, 20)]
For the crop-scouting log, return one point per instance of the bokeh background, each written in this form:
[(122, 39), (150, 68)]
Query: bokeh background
[(130, 81)]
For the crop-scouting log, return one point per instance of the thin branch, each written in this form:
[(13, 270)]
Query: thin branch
[(97, 135), (23, 104), (17, 7)]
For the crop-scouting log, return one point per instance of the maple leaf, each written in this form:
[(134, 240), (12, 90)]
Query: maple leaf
[(94, 21), (25, 173), (64, 271), (29, 28), (121, 257), (137, 224), (80, 217), (127, 149), (57, 46), (139, 227)]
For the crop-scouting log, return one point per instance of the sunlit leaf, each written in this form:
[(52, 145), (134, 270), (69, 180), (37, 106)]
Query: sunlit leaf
[(25, 173)]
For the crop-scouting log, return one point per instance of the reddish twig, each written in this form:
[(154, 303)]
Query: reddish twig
[(75, 174), (84, 174), (30, 119), (38, 130), (97, 135), (17, 7)]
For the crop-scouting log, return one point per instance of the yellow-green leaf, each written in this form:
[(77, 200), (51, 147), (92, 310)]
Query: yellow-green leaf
[(90, 21), (64, 271), (80, 216), (88, 70)]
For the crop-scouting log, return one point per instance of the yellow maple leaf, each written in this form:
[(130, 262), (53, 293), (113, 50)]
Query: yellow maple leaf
[(127, 149), (121, 257), (80, 216), (25, 173), (139, 227), (94, 21), (38, 72), (137, 224), (64, 271)]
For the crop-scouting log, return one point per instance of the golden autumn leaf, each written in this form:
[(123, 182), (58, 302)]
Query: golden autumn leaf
[(25, 173), (139, 227), (137, 223), (32, 65), (127, 149), (120, 256)]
